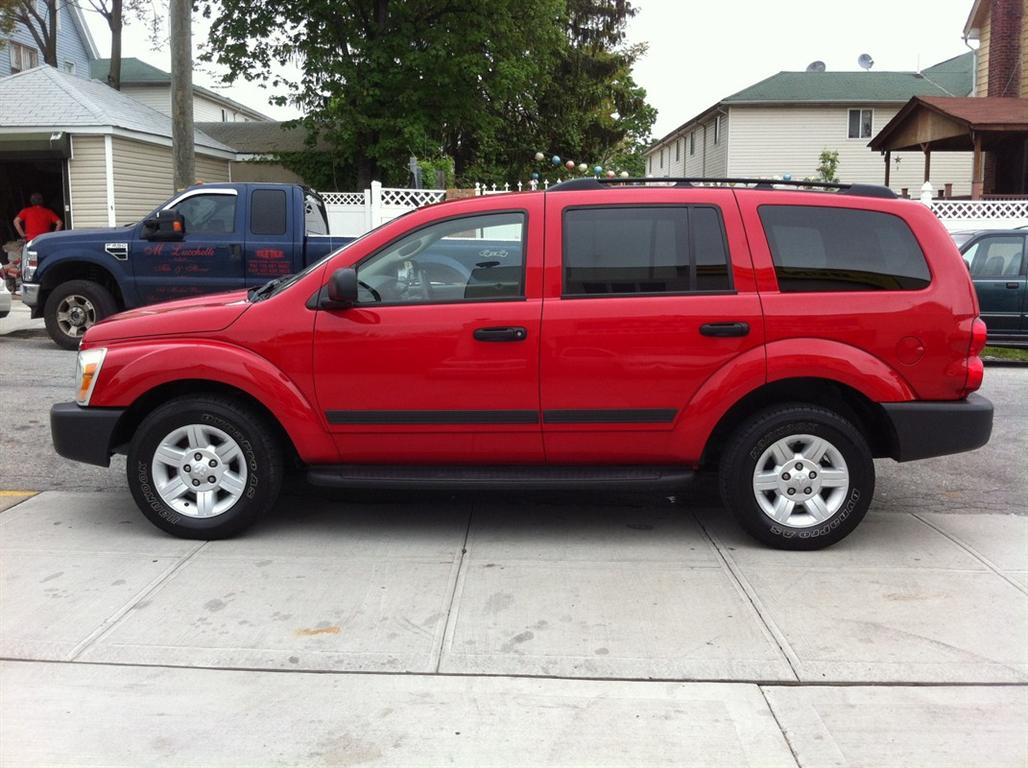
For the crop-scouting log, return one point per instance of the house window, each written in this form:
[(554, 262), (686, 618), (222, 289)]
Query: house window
[(651, 163), (860, 124), (22, 57), (69, 67), (717, 129), (678, 143), (661, 157), (692, 143), (224, 116)]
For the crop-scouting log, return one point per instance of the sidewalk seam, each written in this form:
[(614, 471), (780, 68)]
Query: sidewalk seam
[(973, 552), (112, 621), (451, 614), (778, 723), (743, 583)]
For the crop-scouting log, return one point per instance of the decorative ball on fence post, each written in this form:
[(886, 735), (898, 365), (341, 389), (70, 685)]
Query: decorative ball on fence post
[(535, 176), (555, 159), (539, 157), (624, 174), (597, 169), (582, 167), (570, 165), (610, 174), (786, 177)]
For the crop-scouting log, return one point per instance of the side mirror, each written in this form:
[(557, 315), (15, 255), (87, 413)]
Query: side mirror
[(342, 288), (166, 226)]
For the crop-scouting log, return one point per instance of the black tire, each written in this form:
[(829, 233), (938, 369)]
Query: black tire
[(757, 434), (98, 297), (260, 449)]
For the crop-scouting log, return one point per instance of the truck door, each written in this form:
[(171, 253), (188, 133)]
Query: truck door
[(438, 362), (997, 269), (271, 237), (208, 259), (648, 294)]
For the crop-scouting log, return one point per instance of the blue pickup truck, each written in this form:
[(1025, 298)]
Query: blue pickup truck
[(208, 238)]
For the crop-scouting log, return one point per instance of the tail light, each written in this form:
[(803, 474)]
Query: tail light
[(975, 367)]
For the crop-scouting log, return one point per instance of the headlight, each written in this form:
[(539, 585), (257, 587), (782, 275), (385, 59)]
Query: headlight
[(89, 363), (29, 261)]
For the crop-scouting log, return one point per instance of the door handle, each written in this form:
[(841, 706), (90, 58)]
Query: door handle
[(509, 333), (235, 251), (1013, 285), (725, 329)]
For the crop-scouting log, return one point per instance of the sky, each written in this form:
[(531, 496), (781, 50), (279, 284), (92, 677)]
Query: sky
[(701, 51)]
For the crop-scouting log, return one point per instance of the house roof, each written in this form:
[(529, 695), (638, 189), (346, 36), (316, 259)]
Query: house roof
[(258, 138), (960, 117), (137, 72), (953, 77), (44, 98)]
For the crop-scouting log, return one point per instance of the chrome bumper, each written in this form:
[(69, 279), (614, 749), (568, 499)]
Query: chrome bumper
[(29, 294)]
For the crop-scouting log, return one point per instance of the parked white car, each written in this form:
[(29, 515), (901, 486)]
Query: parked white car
[(5, 300)]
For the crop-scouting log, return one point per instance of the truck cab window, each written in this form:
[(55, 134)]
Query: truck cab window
[(208, 214)]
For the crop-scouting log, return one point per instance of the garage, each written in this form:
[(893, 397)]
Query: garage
[(32, 164)]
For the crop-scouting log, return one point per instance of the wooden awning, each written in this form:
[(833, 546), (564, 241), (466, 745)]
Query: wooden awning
[(945, 124)]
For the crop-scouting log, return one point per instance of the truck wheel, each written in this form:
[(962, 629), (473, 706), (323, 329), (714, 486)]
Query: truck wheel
[(204, 467), (74, 307), (797, 477)]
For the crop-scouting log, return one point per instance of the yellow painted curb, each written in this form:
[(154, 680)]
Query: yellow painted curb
[(18, 494)]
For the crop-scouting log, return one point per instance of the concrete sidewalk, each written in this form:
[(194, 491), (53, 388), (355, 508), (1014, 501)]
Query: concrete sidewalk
[(489, 631)]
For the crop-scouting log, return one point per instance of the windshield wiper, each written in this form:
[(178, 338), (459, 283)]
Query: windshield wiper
[(263, 291)]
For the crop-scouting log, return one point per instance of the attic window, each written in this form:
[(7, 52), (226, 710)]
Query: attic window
[(22, 57), (860, 123)]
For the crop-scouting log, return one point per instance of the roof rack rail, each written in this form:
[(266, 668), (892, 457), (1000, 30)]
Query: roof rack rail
[(857, 190)]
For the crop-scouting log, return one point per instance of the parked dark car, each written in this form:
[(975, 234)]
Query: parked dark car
[(998, 266)]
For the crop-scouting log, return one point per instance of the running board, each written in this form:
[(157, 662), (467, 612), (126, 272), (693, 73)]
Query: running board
[(514, 478)]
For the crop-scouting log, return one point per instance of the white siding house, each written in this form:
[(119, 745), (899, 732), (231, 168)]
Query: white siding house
[(780, 126)]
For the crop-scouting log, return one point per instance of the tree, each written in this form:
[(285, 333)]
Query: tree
[(479, 81), (828, 166), (41, 24)]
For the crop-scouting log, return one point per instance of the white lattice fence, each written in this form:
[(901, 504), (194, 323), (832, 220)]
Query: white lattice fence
[(981, 214), (351, 214), (411, 198), (343, 198)]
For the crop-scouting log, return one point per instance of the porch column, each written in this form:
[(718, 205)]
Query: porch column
[(927, 162), (978, 171), (888, 166)]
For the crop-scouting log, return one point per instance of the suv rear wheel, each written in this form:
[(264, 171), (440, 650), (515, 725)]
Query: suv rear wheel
[(72, 308), (204, 468), (797, 477)]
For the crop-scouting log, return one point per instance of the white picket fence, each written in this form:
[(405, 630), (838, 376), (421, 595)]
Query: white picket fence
[(351, 214)]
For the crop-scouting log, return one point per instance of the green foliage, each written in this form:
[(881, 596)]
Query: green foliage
[(484, 83), (828, 166), (431, 165)]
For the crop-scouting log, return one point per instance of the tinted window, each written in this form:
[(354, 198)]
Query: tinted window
[(842, 249), (997, 257), (632, 250), (209, 214), (268, 212), (471, 258)]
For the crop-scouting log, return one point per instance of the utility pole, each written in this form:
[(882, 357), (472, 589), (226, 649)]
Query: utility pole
[(181, 28)]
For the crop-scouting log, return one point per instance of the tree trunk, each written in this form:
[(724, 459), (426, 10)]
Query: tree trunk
[(115, 23), (182, 138), (50, 35)]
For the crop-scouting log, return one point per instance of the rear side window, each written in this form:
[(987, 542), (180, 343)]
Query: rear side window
[(842, 249), (644, 250), (268, 212)]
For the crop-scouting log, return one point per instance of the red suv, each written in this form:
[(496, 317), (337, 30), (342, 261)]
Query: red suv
[(595, 335)]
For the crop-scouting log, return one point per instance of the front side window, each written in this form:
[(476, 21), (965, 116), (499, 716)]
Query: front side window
[(472, 258), (996, 257), (644, 250), (818, 248), (860, 121), (208, 214)]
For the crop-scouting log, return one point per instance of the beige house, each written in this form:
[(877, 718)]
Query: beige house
[(152, 86), (779, 127), (99, 157)]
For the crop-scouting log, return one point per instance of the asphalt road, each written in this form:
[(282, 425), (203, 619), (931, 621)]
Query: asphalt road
[(34, 374)]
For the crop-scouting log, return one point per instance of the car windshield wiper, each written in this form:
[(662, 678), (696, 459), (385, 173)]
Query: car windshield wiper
[(263, 291)]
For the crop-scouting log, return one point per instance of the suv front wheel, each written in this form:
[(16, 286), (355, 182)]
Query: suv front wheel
[(204, 467), (797, 477)]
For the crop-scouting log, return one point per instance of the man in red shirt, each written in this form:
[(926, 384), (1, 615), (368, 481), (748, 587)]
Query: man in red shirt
[(36, 219)]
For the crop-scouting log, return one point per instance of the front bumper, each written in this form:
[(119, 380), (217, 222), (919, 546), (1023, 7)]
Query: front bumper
[(930, 428), (84, 434), (30, 294)]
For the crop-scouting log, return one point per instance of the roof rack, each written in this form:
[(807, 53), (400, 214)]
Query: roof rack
[(857, 190)]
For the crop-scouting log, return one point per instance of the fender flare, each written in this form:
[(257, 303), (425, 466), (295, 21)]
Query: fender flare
[(806, 358), (133, 370), (59, 261)]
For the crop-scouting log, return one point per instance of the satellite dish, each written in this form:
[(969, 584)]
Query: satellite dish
[(864, 61), (816, 66)]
